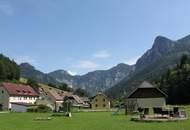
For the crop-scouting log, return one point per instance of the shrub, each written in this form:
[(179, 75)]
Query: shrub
[(32, 109), (43, 108), (40, 108)]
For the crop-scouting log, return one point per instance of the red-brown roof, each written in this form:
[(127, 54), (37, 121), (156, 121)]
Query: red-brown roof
[(19, 90)]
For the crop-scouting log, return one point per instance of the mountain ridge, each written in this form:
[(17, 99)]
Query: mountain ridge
[(94, 81), (122, 78), (164, 54)]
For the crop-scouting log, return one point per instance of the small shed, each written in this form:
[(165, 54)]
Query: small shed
[(145, 96), (20, 107)]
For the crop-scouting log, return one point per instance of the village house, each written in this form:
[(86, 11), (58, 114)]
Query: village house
[(12, 94), (100, 101), (54, 97), (145, 96)]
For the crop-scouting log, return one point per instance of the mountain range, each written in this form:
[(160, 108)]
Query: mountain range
[(93, 82), (123, 78)]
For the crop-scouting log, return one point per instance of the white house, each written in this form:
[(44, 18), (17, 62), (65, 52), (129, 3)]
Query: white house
[(16, 93), (145, 96)]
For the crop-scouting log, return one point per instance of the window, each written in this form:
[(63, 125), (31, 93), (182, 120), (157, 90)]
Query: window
[(2, 91), (104, 100), (25, 98), (96, 100), (96, 105), (104, 105)]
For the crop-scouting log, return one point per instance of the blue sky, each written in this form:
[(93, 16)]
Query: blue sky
[(86, 35)]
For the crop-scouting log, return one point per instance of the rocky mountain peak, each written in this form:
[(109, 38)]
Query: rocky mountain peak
[(185, 40), (162, 44), (26, 65)]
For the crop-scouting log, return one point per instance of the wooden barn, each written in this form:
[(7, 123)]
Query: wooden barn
[(145, 96)]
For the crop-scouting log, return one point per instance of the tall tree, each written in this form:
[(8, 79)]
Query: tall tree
[(2, 71)]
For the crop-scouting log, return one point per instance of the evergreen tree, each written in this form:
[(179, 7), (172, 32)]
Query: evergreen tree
[(176, 82), (184, 60), (9, 70), (2, 71)]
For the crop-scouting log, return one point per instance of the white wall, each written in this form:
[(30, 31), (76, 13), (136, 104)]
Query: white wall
[(31, 100), (18, 108), (151, 102), (134, 103), (4, 98)]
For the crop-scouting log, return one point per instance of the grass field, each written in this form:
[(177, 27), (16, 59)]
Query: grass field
[(83, 121)]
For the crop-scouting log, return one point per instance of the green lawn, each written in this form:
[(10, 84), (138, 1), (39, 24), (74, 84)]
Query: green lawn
[(83, 121)]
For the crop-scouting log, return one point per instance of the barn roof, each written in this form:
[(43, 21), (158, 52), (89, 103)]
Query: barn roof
[(19, 89), (99, 93), (146, 90)]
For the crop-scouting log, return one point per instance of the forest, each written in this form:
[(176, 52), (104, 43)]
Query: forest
[(9, 70), (176, 82)]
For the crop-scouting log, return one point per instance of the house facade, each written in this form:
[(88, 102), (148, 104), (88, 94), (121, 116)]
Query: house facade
[(16, 93), (145, 96), (100, 101)]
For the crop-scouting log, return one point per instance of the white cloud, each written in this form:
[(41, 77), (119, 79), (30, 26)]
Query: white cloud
[(28, 59), (86, 64), (72, 72), (102, 54), (6, 8), (132, 61)]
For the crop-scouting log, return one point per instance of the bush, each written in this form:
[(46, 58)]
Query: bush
[(32, 109), (43, 108), (40, 108)]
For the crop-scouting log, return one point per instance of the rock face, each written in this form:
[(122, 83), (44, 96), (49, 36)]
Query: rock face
[(162, 46), (28, 71), (99, 80), (165, 53), (62, 76)]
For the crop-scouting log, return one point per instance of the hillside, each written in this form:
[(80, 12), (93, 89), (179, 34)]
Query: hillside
[(175, 82), (28, 71), (9, 70)]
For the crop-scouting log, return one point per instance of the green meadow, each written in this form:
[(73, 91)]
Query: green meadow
[(84, 121)]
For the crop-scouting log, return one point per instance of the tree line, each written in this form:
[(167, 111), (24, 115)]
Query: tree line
[(9, 70), (176, 82)]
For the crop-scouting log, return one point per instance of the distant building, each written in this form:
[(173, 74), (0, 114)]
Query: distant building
[(51, 97), (77, 101), (54, 97), (100, 101), (16, 93), (145, 96)]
